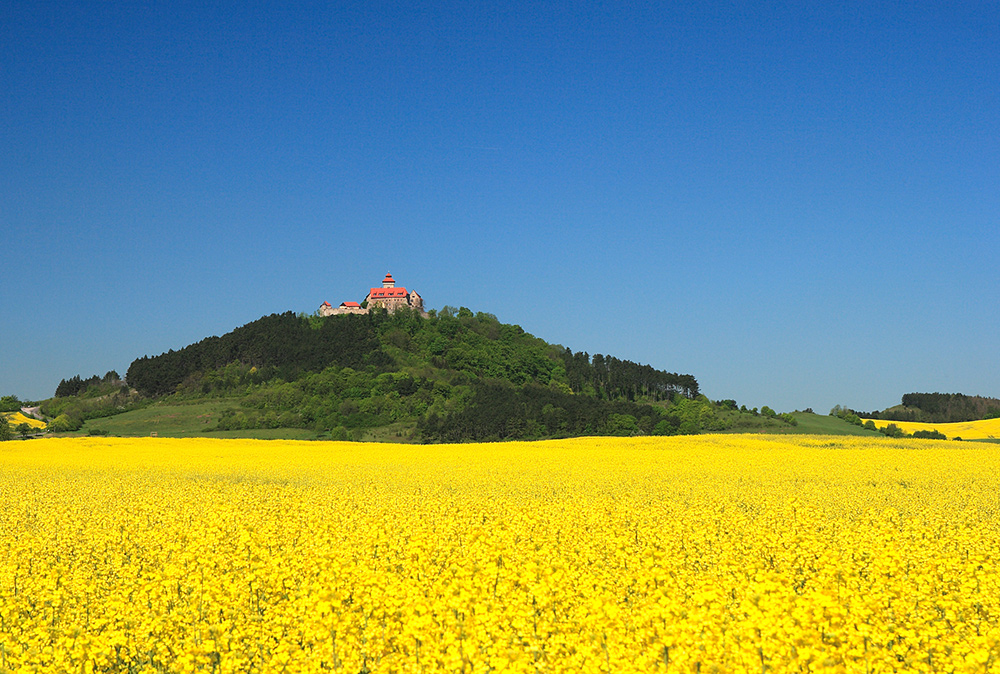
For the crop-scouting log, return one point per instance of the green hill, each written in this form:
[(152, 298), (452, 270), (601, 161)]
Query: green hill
[(453, 376), (821, 424), (939, 408)]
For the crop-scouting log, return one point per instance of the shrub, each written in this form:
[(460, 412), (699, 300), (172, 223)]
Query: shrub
[(893, 431), (64, 423)]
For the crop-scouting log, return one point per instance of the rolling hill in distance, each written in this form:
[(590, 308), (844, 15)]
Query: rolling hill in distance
[(386, 369), (442, 376)]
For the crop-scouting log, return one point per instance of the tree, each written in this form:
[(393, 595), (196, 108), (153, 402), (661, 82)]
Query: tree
[(788, 419), (64, 423), (9, 404), (4, 429), (893, 431), (24, 429), (622, 424)]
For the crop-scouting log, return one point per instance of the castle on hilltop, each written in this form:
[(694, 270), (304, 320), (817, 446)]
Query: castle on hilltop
[(388, 297)]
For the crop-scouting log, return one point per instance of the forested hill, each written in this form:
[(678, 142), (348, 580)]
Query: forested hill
[(453, 376), (286, 346), (939, 408)]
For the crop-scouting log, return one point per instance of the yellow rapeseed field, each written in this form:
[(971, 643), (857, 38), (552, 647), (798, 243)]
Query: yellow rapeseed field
[(18, 418), (967, 430), (728, 553)]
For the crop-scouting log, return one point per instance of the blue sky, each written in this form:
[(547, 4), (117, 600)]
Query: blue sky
[(795, 202)]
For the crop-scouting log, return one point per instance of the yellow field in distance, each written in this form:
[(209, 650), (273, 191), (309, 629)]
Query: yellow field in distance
[(17, 418), (967, 430), (723, 553)]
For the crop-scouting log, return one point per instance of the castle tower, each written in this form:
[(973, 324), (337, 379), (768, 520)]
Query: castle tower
[(389, 297)]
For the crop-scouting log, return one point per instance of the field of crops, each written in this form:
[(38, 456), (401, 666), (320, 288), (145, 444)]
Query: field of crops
[(16, 418), (723, 553), (967, 430)]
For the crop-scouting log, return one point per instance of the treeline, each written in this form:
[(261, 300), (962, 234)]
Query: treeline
[(78, 400), (894, 431), (76, 385), (940, 408), (500, 411), (10, 403), (283, 345), (612, 379), (344, 401)]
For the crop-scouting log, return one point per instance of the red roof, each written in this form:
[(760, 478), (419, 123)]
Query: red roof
[(381, 293), (349, 304), (326, 304)]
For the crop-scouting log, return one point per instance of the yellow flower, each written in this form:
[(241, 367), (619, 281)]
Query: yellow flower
[(712, 553)]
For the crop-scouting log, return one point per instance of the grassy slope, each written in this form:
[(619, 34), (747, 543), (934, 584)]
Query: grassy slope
[(819, 424), (809, 424), (199, 419), (166, 420)]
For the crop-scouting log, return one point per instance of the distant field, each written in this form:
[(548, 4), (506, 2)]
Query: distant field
[(985, 429), (17, 418)]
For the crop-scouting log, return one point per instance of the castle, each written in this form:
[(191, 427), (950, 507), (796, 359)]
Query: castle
[(388, 296)]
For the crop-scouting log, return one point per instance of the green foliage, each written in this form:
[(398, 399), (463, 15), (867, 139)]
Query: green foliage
[(938, 408), (277, 346), (696, 415), (893, 431), (930, 435), (822, 424), (64, 423), (848, 415), (5, 432), (788, 418), (10, 404), (501, 411), (611, 378), (168, 418), (76, 386), (622, 424), (98, 400)]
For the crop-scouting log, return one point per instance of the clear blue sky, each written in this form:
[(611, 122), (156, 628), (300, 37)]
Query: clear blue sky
[(795, 202)]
